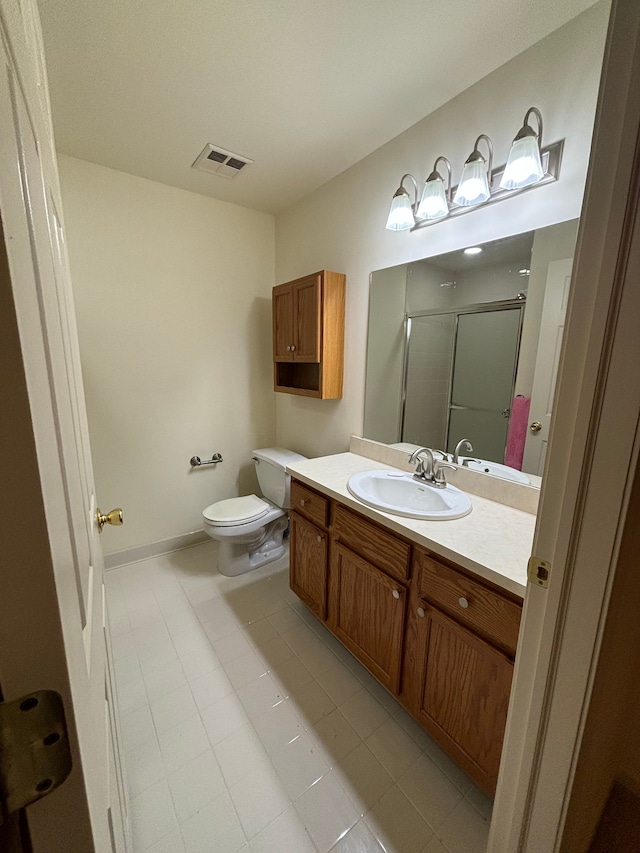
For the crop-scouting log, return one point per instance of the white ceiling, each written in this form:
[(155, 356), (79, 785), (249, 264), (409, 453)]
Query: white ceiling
[(306, 88)]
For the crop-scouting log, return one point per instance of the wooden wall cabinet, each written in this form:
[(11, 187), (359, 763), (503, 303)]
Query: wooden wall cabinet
[(308, 335), (437, 637)]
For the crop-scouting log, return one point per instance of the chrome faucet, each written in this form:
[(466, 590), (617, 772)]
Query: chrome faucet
[(463, 443), (429, 470), (424, 466)]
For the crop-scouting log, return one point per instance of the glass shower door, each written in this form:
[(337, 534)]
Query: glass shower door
[(482, 383)]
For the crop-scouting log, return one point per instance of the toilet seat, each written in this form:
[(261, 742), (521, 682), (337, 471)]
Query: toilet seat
[(236, 511)]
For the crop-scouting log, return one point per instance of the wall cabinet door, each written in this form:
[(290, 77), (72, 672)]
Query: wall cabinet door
[(308, 564), (283, 334), (297, 314), (306, 319), (464, 693), (366, 612)]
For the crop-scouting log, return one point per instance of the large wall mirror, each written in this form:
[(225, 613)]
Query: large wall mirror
[(466, 346)]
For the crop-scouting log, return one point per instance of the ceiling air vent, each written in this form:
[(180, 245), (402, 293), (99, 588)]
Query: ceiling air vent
[(217, 161)]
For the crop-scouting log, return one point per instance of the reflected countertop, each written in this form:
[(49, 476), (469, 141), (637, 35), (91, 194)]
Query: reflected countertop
[(493, 541)]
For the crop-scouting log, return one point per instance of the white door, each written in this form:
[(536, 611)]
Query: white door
[(554, 310), (51, 591)]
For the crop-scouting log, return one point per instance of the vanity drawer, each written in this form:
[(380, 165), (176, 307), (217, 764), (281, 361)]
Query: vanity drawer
[(472, 603), (373, 543), (310, 504)]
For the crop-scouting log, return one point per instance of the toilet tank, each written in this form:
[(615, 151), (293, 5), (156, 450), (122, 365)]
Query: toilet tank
[(270, 465)]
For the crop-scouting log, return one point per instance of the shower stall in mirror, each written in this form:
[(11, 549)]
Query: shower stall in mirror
[(459, 376)]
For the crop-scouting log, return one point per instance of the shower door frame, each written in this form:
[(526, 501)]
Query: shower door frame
[(478, 308)]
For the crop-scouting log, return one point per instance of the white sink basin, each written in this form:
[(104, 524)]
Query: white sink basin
[(497, 470), (402, 494)]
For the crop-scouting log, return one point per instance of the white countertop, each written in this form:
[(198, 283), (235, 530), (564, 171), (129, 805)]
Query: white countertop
[(493, 541)]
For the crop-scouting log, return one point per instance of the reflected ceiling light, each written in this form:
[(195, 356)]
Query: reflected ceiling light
[(435, 200), (524, 164), (401, 213), (476, 175)]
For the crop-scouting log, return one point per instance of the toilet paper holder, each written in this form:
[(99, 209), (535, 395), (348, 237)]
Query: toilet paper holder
[(195, 461)]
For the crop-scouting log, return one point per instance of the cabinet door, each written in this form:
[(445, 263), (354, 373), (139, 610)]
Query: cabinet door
[(366, 612), (307, 319), (283, 332), (308, 564), (464, 694)]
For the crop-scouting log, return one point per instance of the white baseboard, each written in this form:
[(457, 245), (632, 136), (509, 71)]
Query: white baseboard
[(143, 552)]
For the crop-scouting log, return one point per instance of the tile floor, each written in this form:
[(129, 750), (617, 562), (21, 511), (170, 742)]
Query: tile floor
[(247, 727)]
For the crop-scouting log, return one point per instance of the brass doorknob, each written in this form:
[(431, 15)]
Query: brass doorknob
[(536, 426), (114, 517)]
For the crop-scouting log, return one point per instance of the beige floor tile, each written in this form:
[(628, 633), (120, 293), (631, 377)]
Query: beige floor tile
[(311, 703), (259, 798), (465, 830), (397, 825), (299, 765), (359, 839), (364, 778), (335, 736), (364, 712), (430, 790), (285, 835), (215, 828), (196, 784), (327, 812), (237, 740), (393, 747)]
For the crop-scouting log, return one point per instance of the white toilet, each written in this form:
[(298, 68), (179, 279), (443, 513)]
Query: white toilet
[(250, 529)]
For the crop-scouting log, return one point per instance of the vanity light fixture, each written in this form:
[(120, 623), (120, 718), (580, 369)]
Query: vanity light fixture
[(524, 164), (473, 250), (435, 200), (401, 213), (476, 176), (529, 165)]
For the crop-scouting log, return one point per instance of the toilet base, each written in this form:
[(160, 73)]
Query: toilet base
[(236, 558)]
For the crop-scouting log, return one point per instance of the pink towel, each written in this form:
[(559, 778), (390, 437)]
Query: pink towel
[(517, 432)]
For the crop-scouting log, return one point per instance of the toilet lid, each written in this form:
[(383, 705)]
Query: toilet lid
[(236, 510)]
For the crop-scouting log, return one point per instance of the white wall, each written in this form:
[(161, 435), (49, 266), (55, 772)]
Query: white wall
[(173, 299), (341, 225)]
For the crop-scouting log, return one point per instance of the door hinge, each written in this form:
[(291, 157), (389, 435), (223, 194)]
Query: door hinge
[(539, 572), (35, 757)]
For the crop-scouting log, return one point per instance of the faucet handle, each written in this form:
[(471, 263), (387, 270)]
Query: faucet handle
[(446, 457), (439, 476)]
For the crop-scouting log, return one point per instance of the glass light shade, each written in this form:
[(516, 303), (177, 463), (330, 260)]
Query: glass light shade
[(524, 166), (400, 215), (433, 204), (474, 186)]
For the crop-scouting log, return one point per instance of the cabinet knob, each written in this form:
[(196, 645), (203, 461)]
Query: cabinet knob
[(301, 501), (420, 612), (288, 349), (319, 538), (463, 602), (292, 348), (395, 593)]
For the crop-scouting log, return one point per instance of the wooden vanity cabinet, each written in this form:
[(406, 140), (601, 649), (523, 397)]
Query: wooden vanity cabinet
[(367, 612), (308, 335), (437, 637), (309, 548), (459, 647)]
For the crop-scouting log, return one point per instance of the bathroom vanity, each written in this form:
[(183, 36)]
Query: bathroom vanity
[(432, 609)]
